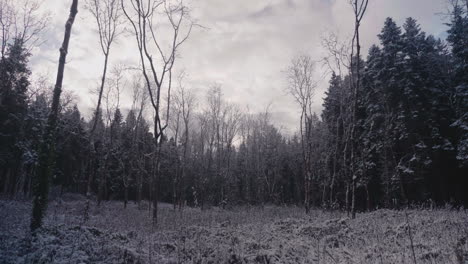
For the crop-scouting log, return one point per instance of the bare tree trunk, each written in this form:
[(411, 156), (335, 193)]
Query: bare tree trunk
[(156, 192), (157, 168), (174, 193), (359, 11), (20, 183), (324, 194), (140, 163), (91, 172), (332, 189), (367, 198), (353, 198), (101, 178), (107, 19), (335, 161), (125, 195), (302, 88), (150, 185), (184, 157), (347, 199), (29, 184), (97, 112), (307, 192), (139, 188), (41, 186)]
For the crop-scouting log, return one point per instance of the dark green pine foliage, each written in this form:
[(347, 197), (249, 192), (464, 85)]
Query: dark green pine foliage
[(116, 127), (71, 150), (14, 75), (458, 40), (120, 151), (34, 124), (241, 173), (413, 143), (373, 126), (404, 121), (333, 117), (169, 168), (425, 109), (393, 131)]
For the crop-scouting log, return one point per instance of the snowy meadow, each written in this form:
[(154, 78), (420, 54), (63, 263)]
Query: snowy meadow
[(269, 234), (220, 131)]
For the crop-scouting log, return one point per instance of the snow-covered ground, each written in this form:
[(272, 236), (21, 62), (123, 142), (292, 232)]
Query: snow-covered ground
[(241, 235)]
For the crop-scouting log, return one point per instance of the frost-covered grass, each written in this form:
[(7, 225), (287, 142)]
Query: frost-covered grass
[(241, 235)]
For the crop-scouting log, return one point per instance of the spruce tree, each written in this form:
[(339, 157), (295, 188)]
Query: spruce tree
[(14, 82), (458, 39)]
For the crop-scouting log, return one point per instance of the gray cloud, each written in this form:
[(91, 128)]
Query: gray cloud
[(246, 46)]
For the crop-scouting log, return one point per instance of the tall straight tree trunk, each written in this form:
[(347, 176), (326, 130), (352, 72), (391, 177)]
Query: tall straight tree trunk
[(324, 194), (156, 190), (347, 199), (335, 161), (184, 166), (156, 169), (141, 163), (97, 112), (139, 188), (107, 21), (174, 192), (353, 198), (150, 185), (125, 194), (41, 185), (307, 192), (367, 198), (305, 157), (359, 11)]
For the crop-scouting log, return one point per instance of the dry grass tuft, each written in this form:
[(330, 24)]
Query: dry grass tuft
[(241, 235)]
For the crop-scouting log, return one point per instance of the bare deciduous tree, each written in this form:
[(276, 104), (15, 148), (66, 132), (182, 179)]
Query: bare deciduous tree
[(23, 20), (140, 97), (111, 96), (301, 85), (337, 58), (107, 14), (359, 9), (157, 62), (184, 102)]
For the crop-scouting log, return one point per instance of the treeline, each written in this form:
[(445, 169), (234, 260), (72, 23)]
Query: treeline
[(216, 155), (410, 137), (411, 120)]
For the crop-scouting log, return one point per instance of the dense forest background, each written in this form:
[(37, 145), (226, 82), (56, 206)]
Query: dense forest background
[(410, 135)]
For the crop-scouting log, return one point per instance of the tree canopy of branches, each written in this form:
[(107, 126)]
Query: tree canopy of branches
[(21, 20), (301, 85), (157, 63)]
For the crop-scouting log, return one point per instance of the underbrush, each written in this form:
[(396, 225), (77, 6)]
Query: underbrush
[(241, 235)]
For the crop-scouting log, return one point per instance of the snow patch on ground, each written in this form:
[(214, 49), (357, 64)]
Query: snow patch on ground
[(241, 235)]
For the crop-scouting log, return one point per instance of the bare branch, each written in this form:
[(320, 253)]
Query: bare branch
[(23, 20)]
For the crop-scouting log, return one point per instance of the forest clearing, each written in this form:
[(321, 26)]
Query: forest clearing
[(233, 131), (272, 234)]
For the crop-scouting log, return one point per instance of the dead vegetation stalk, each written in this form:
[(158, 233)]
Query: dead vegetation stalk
[(410, 237)]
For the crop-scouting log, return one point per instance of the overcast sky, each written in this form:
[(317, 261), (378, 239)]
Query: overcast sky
[(245, 46)]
